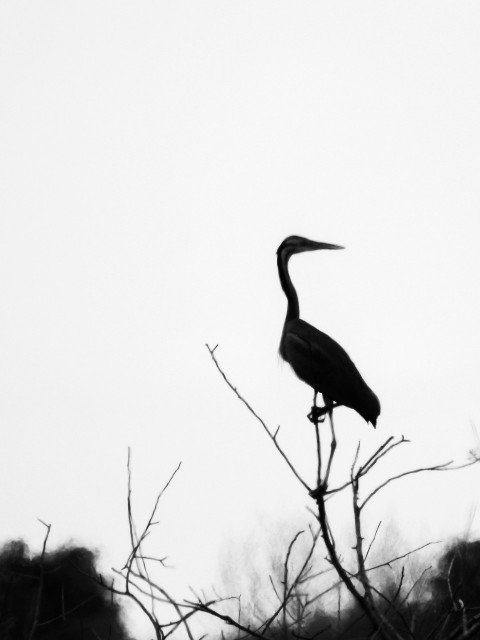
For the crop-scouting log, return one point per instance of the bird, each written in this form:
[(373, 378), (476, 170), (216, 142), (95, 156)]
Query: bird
[(315, 357)]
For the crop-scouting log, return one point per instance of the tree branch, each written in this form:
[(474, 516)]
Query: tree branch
[(272, 436)]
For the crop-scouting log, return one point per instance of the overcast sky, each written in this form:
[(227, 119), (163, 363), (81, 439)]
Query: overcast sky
[(153, 155)]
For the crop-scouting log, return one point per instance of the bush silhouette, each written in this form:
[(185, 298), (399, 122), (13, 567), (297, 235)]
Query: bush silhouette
[(71, 604)]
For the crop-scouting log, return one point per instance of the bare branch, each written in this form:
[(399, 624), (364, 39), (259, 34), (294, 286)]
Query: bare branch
[(38, 599), (391, 605), (199, 606), (446, 466), (271, 435), (380, 453), (386, 563), (373, 539), (369, 464), (417, 581), (362, 574)]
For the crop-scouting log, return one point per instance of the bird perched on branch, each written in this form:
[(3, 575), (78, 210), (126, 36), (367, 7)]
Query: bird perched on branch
[(315, 357)]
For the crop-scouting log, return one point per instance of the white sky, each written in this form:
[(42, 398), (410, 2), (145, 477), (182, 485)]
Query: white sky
[(152, 157)]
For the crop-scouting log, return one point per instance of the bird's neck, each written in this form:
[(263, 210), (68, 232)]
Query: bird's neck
[(293, 309)]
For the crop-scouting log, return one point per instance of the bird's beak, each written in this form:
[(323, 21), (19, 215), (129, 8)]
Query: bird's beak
[(324, 245)]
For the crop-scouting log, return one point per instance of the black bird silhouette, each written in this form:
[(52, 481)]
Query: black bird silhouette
[(315, 357)]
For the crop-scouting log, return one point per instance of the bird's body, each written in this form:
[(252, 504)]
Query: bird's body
[(316, 358)]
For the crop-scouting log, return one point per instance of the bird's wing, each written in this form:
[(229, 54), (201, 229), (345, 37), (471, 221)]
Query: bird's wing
[(317, 359), (310, 361), (297, 346)]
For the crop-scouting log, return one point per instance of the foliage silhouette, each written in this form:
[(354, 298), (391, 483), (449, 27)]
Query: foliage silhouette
[(446, 607), (72, 606)]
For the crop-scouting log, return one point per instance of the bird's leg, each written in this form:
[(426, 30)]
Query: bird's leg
[(333, 444), (317, 414), (328, 407), (312, 415), (317, 435)]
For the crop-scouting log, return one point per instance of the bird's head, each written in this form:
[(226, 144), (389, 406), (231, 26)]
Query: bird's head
[(371, 408), (297, 244)]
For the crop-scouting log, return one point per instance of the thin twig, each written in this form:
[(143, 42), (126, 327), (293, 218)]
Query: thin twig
[(380, 453), (373, 539), (285, 577), (252, 411), (38, 599), (126, 592), (342, 573), (406, 597), (391, 604), (386, 563), (199, 606), (367, 466), (297, 580), (362, 574), (446, 466)]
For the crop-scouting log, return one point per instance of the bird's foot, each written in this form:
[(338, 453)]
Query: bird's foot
[(317, 414)]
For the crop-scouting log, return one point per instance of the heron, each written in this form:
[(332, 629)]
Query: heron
[(314, 356)]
